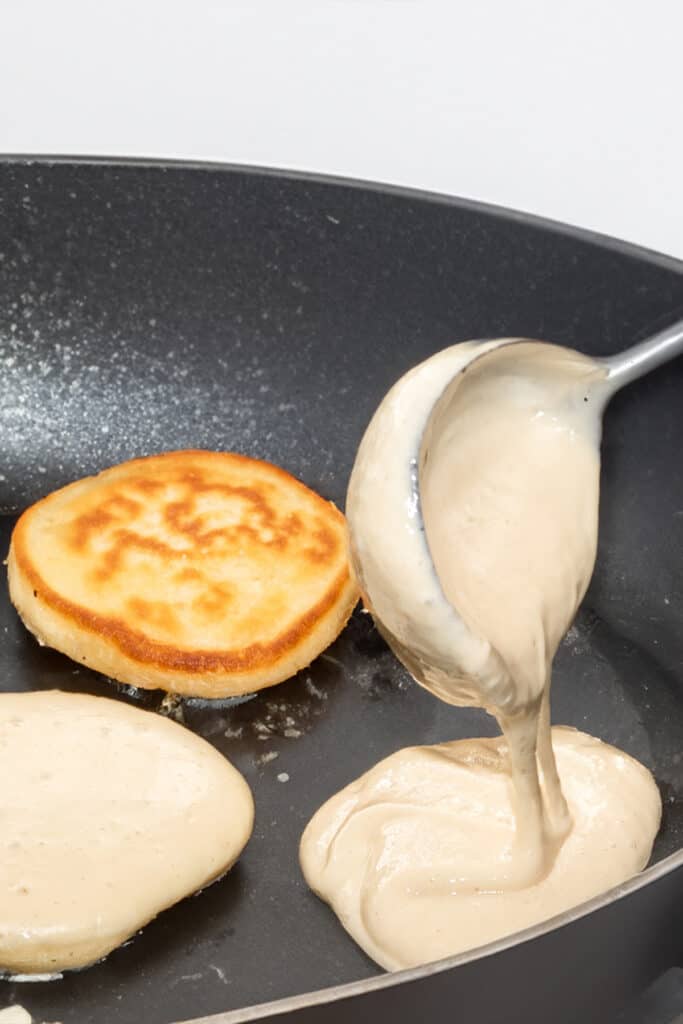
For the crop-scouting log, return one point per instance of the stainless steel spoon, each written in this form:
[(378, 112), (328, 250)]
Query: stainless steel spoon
[(640, 359), (384, 513)]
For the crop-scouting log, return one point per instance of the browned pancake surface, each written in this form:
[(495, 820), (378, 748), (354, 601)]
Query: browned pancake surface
[(211, 572)]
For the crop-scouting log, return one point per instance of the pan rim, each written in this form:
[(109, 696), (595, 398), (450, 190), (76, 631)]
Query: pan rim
[(320, 997), (610, 242), (650, 875)]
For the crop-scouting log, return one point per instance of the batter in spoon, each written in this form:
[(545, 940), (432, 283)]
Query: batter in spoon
[(437, 850)]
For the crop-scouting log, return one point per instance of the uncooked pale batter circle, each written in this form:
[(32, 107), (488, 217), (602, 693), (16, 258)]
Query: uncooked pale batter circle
[(109, 815)]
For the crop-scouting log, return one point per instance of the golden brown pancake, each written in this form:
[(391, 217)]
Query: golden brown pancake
[(204, 573)]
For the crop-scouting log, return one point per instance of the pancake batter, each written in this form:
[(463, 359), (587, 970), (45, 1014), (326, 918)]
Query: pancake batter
[(474, 583), (109, 815)]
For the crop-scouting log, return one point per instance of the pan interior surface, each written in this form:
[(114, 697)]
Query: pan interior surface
[(151, 308)]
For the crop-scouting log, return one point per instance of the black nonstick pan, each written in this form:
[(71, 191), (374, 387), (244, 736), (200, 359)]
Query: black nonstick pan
[(152, 307)]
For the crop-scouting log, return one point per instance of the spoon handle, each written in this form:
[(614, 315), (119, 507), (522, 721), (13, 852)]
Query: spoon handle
[(643, 357)]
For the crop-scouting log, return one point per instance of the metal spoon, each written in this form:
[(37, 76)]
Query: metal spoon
[(640, 359), (422, 627)]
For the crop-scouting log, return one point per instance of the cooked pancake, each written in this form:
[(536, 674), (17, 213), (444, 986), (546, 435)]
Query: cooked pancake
[(207, 574)]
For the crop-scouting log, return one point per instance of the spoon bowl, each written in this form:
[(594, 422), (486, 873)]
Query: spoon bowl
[(417, 419)]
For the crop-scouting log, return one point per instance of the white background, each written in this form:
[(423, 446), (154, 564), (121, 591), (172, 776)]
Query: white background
[(569, 109)]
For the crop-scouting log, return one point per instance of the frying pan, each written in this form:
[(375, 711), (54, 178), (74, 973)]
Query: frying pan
[(147, 307)]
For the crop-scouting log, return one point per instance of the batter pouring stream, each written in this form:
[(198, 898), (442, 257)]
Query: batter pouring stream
[(474, 558)]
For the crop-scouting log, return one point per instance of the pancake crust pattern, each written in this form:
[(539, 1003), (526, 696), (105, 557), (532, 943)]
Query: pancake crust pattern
[(203, 573)]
